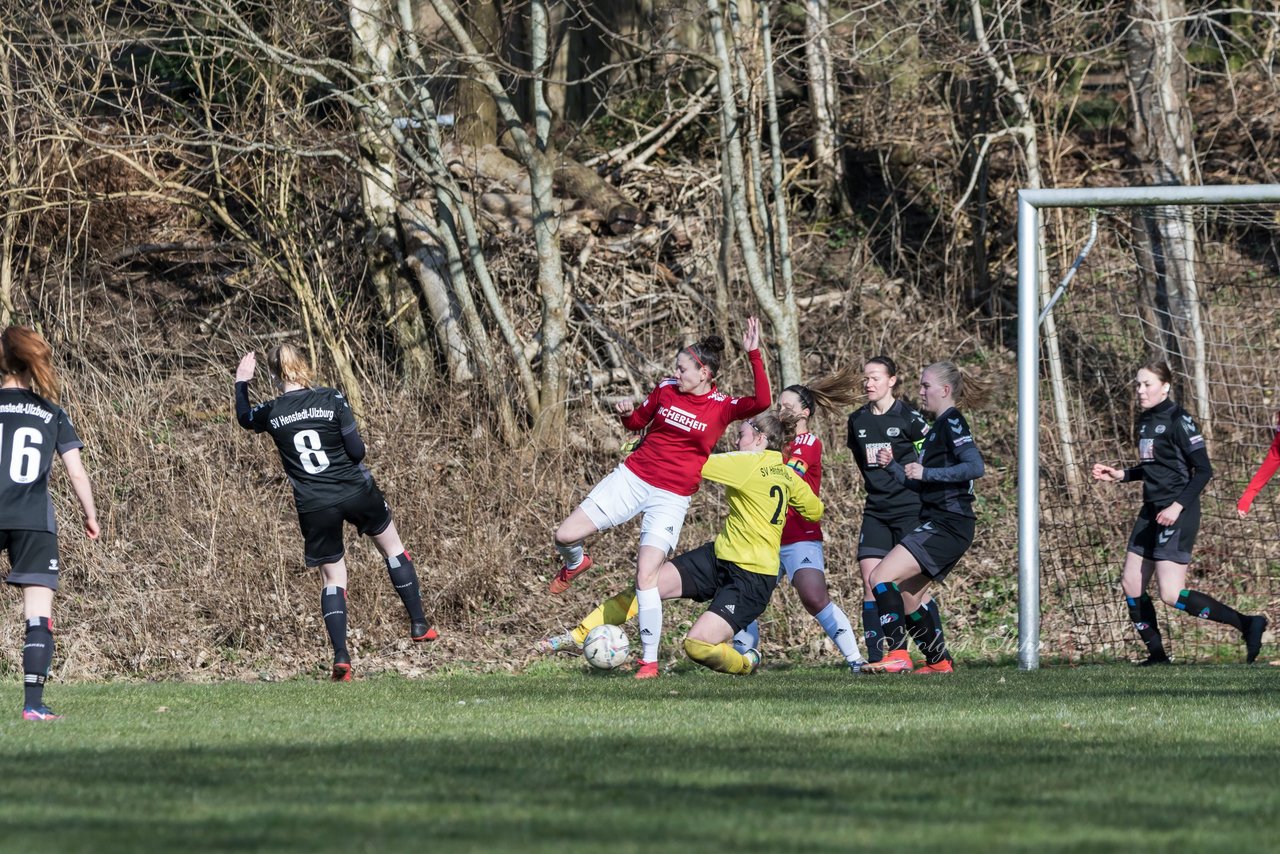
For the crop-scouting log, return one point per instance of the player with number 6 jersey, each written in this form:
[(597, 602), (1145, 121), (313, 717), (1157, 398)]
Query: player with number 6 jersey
[(1173, 465), (322, 452), (33, 428)]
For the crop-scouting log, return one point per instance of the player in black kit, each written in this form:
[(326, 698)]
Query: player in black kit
[(32, 429), (943, 477), (891, 510), (321, 449), (1173, 466)]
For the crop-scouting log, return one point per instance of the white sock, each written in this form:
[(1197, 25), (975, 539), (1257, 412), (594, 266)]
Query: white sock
[(836, 625), (748, 638), (570, 555), (649, 603)]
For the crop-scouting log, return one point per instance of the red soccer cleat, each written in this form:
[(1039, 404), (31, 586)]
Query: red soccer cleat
[(943, 666), (647, 670), (422, 632), (895, 661), (565, 576), (341, 671)]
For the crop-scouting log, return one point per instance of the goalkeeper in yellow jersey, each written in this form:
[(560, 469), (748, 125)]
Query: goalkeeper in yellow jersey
[(738, 570)]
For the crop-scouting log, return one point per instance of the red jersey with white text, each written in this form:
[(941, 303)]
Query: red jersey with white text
[(804, 455), (684, 428)]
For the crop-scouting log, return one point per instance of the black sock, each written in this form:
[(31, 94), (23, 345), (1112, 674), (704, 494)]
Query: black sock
[(889, 604), (871, 631), (918, 626), (333, 605), (37, 658), (1142, 612), (405, 580), (1205, 607), (939, 638)]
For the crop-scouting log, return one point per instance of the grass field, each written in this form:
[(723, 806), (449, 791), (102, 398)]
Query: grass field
[(787, 760)]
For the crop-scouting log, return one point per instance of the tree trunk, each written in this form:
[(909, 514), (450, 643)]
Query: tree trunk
[(738, 205), (1161, 144), (825, 107), (1027, 134), (475, 114), (373, 48)]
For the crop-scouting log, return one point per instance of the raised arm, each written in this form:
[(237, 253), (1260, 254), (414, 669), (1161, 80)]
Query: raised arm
[(762, 398), (244, 373)]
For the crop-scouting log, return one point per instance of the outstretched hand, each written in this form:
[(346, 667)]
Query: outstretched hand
[(751, 338), (248, 364), (1107, 473)]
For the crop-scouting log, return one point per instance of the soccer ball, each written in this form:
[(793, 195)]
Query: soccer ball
[(606, 647)]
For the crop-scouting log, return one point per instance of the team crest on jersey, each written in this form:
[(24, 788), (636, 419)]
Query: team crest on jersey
[(893, 431), (1159, 429)]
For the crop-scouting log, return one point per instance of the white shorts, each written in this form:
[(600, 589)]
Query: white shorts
[(621, 495), (806, 554)]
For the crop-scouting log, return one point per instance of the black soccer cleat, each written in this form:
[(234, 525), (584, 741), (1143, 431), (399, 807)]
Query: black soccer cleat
[(1154, 660), (422, 631), (1253, 637)]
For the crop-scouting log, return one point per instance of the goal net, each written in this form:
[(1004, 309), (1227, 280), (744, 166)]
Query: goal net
[(1184, 277)]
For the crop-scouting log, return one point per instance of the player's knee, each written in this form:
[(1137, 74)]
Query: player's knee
[(815, 603), (698, 650), (1169, 597)]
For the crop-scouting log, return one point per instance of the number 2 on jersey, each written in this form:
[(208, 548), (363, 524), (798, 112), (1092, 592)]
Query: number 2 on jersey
[(776, 492), (314, 460), (24, 461)]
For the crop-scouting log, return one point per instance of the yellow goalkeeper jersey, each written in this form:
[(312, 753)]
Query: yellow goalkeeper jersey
[(759, 488)]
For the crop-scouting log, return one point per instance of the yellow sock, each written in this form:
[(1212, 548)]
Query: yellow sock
[(720, 657), (613, 612)]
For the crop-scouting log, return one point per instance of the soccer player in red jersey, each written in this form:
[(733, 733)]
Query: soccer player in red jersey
[(683, 418), (322, 452), (32, 429), (1268, 468)]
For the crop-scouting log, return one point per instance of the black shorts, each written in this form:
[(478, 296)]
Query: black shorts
[(880, 534), (1154, 541), (33, 557), (322, 529), (737, 595), (938, 544)]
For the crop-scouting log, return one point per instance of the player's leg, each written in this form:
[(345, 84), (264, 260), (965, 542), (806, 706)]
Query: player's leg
[(897, 568), (404, 578), (740, 598), (613, 501), (1134, 579), (324, 549), (806, 568), (664, 514), (35, 565), (1171, 578), (37, 651)]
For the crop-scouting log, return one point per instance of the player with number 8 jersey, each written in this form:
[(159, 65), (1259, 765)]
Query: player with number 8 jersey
[(321, 449), (32, 429)]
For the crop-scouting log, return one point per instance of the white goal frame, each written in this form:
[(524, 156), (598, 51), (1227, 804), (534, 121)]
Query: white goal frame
[(1030, 238)]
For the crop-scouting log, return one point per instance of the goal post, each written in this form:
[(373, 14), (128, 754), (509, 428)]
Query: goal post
[(1031, 204)]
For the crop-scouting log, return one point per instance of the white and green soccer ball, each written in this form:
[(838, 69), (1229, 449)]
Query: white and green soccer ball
[(606, 647)]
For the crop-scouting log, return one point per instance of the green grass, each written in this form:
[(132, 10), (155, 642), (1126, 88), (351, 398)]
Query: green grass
[(788, 760)]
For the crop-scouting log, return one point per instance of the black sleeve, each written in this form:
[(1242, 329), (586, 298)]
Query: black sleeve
[(242, 405), (354, 444), (1202, 472)]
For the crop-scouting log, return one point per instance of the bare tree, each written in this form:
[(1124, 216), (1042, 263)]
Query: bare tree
[(1161, 143), (1024, 131)]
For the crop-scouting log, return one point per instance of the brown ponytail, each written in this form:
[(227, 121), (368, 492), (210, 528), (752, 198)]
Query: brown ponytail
[(24, 351)]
